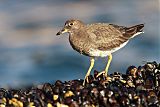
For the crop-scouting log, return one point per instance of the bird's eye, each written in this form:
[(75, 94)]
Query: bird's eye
[(70, 24)]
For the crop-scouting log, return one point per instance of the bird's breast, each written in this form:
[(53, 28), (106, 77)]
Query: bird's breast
[(80, 44)]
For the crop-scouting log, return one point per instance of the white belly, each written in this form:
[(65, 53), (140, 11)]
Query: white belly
[(99, 53)]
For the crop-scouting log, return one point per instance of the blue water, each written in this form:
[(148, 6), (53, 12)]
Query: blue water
[(30, 51)]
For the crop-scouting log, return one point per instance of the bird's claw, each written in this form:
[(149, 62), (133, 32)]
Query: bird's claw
[(85, 80), (103, 72)]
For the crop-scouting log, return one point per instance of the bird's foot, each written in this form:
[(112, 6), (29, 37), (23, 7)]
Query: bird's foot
[(102, 73), (86, 80)]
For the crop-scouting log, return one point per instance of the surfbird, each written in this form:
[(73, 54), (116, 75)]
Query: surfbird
[(98, 39)]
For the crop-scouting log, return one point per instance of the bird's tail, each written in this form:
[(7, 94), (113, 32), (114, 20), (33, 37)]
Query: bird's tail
[(134, 30)]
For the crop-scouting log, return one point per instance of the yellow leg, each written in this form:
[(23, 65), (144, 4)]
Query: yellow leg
[(89, 70), (108, 64), (105, 72)]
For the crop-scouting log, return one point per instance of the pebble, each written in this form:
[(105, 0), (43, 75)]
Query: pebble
[(139, 87)]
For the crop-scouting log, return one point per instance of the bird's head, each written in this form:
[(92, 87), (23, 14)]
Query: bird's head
[(70, 26)]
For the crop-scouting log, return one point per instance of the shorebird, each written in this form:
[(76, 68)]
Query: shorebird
[(98, 39)]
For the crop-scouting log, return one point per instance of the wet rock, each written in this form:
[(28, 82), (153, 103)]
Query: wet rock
[(139, 87)]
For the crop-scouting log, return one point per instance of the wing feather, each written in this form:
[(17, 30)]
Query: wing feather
[(106, 36)]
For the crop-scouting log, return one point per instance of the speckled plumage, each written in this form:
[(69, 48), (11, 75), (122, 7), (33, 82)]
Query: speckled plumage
[(100, 37)]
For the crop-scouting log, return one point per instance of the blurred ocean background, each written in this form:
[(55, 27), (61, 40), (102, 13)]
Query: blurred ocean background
[(31, 53)]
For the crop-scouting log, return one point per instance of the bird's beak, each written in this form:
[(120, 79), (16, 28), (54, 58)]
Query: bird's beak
[(64, 30)]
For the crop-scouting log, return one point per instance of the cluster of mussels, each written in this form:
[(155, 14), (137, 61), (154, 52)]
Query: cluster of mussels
[(139, 87)]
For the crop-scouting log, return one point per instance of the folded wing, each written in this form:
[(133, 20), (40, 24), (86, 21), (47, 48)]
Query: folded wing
[(110, 36)]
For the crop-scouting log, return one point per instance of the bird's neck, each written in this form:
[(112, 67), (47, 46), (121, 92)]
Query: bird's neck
[(77, 32)]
